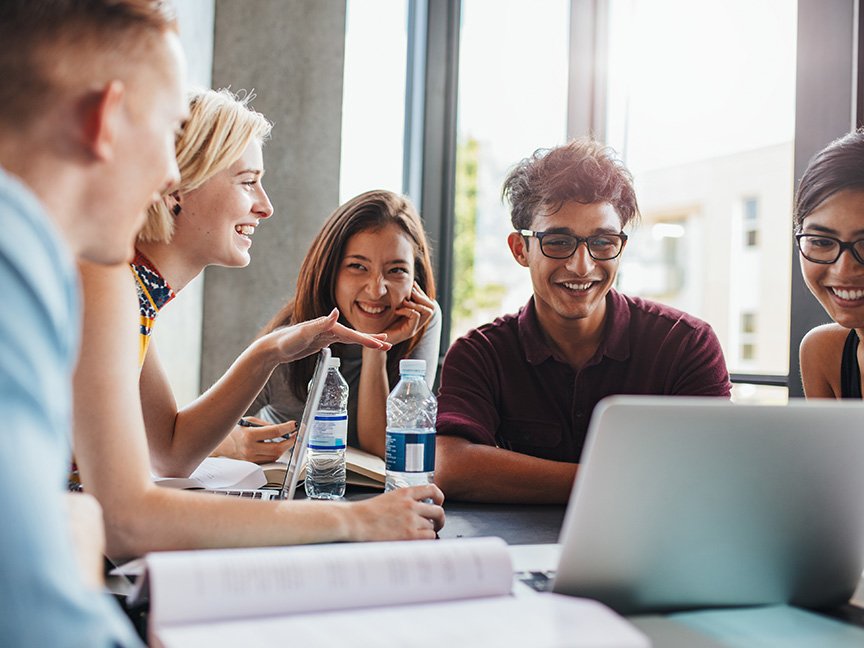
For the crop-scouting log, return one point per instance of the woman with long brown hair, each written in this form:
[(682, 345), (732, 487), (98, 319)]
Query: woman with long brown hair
[(371, 261)]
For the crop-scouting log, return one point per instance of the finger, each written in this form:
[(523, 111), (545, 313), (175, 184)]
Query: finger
[(265, 432), (418, 294), (433, 513), (425, 492), (423, 309), (347, 335)]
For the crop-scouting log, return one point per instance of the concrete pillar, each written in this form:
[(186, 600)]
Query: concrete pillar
[(290, 52)]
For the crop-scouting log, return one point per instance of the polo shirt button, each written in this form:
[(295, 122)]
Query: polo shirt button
[(580, 414)]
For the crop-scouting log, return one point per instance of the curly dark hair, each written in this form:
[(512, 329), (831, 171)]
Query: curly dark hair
[(837, 167), (583, 171)]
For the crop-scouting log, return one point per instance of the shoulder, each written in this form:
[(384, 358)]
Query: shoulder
[(821, 356), (823, 346), (825, 337), (501, 331), (645, 311)]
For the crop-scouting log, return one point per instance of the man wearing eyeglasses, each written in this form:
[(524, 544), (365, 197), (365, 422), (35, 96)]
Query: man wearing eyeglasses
[(517, 394)]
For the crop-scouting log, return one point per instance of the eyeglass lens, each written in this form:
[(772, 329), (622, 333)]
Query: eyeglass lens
[(563, 246), (824, 249)]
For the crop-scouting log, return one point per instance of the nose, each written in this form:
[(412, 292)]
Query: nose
[(376, 286), (263, 207), (581, 263), (847, 263)]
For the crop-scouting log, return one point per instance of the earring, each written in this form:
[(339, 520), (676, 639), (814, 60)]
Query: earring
[(176, 208)]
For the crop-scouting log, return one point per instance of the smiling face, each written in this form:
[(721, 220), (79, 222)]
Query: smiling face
[(574, 289), (839, 286), (375, 275), (217, 220)]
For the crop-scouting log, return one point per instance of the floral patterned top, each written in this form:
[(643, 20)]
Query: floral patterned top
[(153, 293)]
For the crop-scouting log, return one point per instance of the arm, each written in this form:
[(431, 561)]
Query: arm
[(481, 473), (179, 440), (111, 449), (45, 600), (469, 465), (820, 356), (374, 385)]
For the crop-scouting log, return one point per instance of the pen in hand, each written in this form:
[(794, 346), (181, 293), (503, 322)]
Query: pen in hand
[(244, 423)]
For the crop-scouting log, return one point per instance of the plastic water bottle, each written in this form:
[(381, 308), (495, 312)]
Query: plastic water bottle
[(411, 412), (325, 467)]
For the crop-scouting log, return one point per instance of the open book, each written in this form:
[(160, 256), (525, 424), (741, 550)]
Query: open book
[(425, 593), (220, 473), (361, 469)]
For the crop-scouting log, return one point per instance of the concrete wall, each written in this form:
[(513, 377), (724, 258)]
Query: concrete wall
[(290, 52), (178, 333)]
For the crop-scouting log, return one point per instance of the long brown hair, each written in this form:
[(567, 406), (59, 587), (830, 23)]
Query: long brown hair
[(316, 284)]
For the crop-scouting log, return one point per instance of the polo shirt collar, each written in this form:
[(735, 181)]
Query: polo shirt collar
[(616, 341)]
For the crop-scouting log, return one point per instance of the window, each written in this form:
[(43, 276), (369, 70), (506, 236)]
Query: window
[(512, 99), (373, 100), (676, 115)]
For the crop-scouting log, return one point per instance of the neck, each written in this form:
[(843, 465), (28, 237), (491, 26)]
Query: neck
[(176, 270), (53, 183), (574, 340)]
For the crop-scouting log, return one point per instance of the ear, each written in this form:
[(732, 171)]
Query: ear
[(518, 248), (102, 113)]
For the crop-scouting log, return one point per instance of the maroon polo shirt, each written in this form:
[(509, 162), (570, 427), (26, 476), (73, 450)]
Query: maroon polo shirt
[(502, 385)]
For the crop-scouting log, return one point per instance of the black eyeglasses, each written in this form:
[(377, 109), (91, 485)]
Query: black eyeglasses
[(601, 247), (827, 249)]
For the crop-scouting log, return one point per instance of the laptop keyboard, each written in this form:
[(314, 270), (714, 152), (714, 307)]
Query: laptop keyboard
[(250, 494), (537, 580)]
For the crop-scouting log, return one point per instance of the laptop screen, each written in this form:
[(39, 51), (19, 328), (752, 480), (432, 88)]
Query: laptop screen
[(298, 452)]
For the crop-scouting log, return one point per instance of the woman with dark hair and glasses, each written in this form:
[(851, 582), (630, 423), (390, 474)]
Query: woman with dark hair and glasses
[(829, 232)]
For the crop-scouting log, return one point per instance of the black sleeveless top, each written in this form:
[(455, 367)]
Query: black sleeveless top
[(850, 375)]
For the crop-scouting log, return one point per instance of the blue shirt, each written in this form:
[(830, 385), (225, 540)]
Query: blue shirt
[(43, 600)]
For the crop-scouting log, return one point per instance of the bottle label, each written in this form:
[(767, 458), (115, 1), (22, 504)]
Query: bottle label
[(329, 432), (410, 451)]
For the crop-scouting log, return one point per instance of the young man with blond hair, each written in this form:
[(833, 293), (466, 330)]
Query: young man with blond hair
[(92, 94)]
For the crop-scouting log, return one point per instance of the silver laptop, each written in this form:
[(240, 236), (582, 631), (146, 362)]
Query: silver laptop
[(298, 452), (685, 502)]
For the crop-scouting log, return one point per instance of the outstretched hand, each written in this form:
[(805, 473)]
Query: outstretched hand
[(300, 340), (414, 312), (401, 514)]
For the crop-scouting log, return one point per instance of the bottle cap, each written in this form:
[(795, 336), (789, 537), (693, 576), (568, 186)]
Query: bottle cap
[(334, 363), (412, 366)]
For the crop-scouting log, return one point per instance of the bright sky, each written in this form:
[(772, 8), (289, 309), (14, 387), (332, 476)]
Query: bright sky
[(700, 79)]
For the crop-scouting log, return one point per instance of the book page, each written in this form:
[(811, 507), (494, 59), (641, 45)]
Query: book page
[(365, 464), (544, 621), (193, 586), (219, 473)]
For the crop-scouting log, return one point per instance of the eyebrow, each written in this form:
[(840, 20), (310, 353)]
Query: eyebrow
[(828, 230), (257, 172), (567, 230), (360, 257)]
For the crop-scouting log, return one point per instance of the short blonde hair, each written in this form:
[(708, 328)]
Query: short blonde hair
[(220, 126)]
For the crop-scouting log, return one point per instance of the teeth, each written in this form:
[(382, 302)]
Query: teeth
[(575, 286), (372, 310), (245, 230), (851, 295)]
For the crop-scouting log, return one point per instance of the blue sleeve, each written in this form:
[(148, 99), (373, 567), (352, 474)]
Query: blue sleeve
[(43, 600)]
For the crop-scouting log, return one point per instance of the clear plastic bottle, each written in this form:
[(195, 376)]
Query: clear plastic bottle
[(325, 467), (411, 412)]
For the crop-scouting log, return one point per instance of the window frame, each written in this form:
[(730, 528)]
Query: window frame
[(830, 64)]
